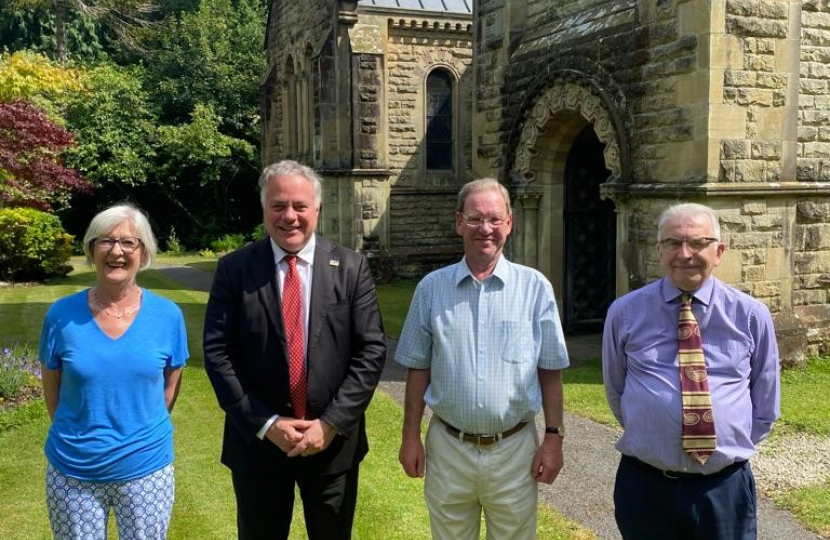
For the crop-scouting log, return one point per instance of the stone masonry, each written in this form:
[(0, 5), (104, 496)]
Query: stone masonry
[(346, 94), (722, 102)]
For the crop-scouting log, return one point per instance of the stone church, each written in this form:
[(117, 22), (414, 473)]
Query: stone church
[(596, 114), (376, 96)]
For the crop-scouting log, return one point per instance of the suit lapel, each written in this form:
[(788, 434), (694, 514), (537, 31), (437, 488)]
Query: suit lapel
[(265, 275), (322, 287)]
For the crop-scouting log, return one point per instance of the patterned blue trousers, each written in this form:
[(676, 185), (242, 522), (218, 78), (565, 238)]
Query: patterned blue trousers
[(78, 509)]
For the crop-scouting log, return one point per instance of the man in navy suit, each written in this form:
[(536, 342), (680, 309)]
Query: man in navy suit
[(268, 446)]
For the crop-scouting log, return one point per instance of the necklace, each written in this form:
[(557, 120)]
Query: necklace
[(110, 311)]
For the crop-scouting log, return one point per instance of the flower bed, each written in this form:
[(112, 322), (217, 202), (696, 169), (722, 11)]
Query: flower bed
[(19, 375)]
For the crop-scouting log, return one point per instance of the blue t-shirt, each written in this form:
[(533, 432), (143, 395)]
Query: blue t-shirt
[(111, 423)]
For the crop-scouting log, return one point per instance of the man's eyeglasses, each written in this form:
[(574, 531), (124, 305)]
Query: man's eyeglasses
[(696, 244), (476, 222), (128, 243)]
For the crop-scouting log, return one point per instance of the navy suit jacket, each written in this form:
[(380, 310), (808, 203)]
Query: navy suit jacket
[(247, 360)]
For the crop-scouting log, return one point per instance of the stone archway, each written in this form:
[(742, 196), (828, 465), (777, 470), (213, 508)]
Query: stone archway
[(542, 185), (565, 96)]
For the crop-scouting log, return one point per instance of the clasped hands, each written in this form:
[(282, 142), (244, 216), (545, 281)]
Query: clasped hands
[(298, 437)]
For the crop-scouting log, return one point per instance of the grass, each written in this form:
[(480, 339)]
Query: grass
[(391, 505), (803, 410), (585, 394), (394, 299)]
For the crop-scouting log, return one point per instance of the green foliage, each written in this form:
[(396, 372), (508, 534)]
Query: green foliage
[(174, 247), (199, 150), (33, 245), (212, 57), (35, 78), (228, 242), (207, 253), (114, 125), (30, 24), (259, 232)]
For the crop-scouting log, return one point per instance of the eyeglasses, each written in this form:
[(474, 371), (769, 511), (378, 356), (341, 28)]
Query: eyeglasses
[(128, 243), (696, 244), (477, 222)]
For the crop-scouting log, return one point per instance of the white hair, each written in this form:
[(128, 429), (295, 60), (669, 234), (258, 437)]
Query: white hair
[(107, 220)]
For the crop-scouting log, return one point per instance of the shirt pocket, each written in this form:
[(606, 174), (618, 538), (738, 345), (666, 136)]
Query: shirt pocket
[(516, 342)]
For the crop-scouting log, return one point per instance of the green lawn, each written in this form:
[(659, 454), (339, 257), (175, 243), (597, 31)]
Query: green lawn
[(391, 505)]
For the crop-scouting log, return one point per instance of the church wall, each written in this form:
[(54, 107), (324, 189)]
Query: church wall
[(726, 103), (294, 27), (814, 93)]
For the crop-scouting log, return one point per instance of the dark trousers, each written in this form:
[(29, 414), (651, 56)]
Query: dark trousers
[(651, 506), (265, 503)]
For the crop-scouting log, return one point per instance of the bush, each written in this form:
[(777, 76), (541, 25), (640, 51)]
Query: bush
[(259, 232), (174, 247), (228, 242), (33, 245)]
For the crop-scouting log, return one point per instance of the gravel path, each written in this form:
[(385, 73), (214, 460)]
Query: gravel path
[(583, 491)]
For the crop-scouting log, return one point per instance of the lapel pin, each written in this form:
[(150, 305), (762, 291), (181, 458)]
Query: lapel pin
[(334, 262)]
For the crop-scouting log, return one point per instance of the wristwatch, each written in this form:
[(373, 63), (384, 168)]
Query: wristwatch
[(555, 430)]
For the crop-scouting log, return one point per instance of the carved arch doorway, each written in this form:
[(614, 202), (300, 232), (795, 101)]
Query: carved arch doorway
[(571, 241), (590, 236)]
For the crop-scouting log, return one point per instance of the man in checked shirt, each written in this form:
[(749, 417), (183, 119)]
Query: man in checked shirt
[(485, 350)]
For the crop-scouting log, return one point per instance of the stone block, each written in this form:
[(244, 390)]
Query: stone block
[(729, 269), (765, 223), (755, 27), (778, 265), (735, 149), (754, 208), (766, 150), (752, 240), (737, 78), (728, 122), (809, 297), (754, 273), (764, 289)]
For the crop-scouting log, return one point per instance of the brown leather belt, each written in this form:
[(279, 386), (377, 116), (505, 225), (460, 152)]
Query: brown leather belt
[(481, 440)]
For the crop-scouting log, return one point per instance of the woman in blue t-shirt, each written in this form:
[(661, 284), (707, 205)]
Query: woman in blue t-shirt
[(112, 357)]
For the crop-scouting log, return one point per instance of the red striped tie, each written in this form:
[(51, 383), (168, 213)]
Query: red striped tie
[(292, 319), (699, 438)]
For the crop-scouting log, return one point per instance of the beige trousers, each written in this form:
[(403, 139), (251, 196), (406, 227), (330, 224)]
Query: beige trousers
[(462, 479)]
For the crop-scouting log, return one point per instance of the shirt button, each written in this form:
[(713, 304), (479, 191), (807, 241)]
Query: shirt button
[(481, 405)]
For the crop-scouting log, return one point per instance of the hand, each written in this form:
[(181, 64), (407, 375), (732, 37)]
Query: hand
[(412, 456), (548, 460), (316, 438), (286, 432)]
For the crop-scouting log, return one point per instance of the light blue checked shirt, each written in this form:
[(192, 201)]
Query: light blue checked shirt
[(483, 342)]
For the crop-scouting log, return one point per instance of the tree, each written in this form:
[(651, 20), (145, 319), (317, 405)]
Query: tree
[(34, 78), (214, 57), (114, 126), (91, 26), (31, 172)]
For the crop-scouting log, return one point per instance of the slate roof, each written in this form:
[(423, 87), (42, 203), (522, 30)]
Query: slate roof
[(448, 6)]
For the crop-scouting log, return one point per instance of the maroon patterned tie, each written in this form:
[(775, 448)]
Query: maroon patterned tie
[(292, 319), (698, 422)]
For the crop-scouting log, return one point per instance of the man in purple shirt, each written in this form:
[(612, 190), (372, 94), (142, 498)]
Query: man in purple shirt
[(661, 491)]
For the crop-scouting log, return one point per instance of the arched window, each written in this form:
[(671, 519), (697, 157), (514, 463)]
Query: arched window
[(439, 120), (289, 109)]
